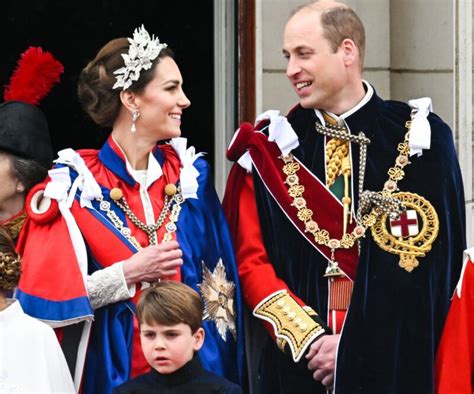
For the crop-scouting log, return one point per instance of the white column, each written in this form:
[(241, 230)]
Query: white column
[(463, 102), (224, 87)]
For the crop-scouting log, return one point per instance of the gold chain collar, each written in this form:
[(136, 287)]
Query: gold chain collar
[(322, 236), (305, 214), (172, 195)]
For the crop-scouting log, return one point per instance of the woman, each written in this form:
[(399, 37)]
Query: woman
[(133, 213), (27, 166), (31, 359), (26, 153)]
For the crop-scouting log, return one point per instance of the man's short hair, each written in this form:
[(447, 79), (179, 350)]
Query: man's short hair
[(338, 23), (170, 303)]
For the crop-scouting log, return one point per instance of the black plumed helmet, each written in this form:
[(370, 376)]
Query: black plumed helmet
[(24, 130)]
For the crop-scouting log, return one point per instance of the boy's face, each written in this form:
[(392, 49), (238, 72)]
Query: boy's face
[(168, 348)]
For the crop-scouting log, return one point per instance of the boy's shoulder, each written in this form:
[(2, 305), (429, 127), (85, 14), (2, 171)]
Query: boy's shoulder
[(140, 384), (216, 384), (190, 379), (205, 383)]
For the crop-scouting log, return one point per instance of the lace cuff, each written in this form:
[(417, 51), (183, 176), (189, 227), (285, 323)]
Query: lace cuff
[(107, 286)]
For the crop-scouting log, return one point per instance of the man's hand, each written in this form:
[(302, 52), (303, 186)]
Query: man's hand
[(322, 359)]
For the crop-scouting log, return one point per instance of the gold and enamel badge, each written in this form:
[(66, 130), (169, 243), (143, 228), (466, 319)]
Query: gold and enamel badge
[(414, 229), (218, 295), (411, 233), (402, 223)]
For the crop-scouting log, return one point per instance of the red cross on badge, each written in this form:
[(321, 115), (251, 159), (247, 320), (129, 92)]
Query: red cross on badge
[(406, 225)]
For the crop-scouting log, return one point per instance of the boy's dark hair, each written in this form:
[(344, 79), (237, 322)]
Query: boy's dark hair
[(170, 303)]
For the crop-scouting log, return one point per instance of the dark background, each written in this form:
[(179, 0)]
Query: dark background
[(74, 31)]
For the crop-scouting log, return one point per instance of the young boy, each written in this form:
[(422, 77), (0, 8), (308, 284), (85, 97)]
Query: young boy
[(170, 317)]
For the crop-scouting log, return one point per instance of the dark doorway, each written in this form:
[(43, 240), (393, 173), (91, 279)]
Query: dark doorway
[(73, 31)]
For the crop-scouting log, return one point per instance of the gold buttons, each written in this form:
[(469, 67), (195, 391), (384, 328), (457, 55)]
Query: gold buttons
[(280, 303), (116, 194), (170, 189)]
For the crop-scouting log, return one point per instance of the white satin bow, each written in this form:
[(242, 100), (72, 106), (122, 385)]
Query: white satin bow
[(280, 131), (61, 181), (420, 131), (189, 173)]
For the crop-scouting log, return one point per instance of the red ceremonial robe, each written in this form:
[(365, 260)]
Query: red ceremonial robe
[(455, 357)]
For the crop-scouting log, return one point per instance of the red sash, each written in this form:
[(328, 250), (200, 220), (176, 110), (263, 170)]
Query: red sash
[(327, 209)]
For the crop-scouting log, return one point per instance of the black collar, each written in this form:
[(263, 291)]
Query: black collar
[(185, 374)]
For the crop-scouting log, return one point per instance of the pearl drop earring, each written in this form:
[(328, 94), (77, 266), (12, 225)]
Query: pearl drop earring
[(135, 116)]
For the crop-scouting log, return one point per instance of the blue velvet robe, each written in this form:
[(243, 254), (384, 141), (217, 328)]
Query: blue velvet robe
[(202, 234)]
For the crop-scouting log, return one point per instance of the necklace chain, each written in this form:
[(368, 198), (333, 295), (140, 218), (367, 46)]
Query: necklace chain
[(149, 229), (383, 201), (305, 214), (377, 202), (118, 223), (340, 132)]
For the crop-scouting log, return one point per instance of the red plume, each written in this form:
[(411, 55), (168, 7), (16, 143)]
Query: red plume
[(35, 75)]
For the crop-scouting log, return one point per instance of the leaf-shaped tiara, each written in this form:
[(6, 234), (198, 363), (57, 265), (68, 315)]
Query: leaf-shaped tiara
[(142, 51)]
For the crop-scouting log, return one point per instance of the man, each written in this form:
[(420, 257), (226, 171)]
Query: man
[(332, 206)]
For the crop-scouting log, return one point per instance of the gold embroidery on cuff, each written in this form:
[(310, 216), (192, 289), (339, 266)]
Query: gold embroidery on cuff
[(292, 323), (281, 343)]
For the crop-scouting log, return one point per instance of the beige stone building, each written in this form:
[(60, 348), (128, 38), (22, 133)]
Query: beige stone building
[(415, 48)]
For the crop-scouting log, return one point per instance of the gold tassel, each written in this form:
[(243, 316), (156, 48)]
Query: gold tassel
[(346, 200)]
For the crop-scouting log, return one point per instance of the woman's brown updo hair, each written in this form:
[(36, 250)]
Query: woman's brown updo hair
[(96, 95), (10, 263)]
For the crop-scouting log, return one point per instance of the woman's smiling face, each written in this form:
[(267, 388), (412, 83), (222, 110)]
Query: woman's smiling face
[(162, 102)]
